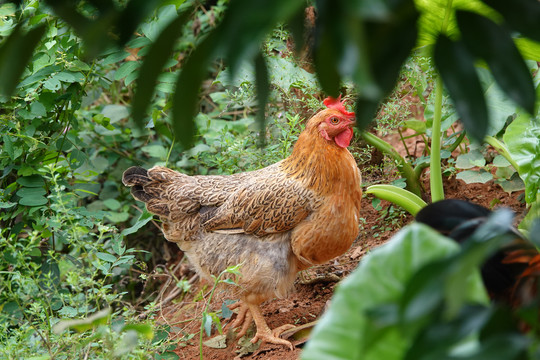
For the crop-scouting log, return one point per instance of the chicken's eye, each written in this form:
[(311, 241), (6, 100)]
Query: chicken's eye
[(334, 120)]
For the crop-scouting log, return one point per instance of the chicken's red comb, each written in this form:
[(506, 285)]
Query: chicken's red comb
[(333, 103)]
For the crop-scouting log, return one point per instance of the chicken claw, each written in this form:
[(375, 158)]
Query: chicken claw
[(263, 331), (243, 318), (248, 312)]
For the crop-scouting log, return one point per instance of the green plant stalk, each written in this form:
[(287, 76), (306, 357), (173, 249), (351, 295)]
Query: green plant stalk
[(501, 149), (435, 177), (398, 196), (216, 282), (404, 168)]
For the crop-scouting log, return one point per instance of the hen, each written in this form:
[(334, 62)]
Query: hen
[(301, 211)]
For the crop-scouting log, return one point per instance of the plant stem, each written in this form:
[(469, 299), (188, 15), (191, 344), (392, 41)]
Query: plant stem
[(404, 168), (435, 176), (501, 149)]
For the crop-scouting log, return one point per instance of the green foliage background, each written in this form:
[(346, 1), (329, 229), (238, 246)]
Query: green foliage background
[(200, 87)]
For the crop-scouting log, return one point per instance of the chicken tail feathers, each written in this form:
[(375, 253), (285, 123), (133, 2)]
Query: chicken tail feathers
[(136, 177)]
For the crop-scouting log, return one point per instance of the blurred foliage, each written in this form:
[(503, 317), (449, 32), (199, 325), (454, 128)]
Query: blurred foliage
[(90, 88), (365, 42)]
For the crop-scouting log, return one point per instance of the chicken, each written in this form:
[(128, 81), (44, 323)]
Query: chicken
[(301, 211), (510, 274)]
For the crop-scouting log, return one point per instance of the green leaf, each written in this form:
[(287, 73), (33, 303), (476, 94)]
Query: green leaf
[(457, 70), (396, 195), (207, 323), (32, 181), (262, 86), (125, 69), (471, 159), (345, 331), (112, 204), (186, 96), (153, 64), (141, 221), (474, 176), (438, 16), (417, 125), (142, 329), (31, 192), (91, 322), (15, 53), (106, 257), (522, 137), (156, 151), (491, 42), (8, 146)]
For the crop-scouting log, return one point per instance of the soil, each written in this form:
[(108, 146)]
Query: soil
[(315, 286)]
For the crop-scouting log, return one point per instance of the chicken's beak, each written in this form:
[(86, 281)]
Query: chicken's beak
[(352, 122)]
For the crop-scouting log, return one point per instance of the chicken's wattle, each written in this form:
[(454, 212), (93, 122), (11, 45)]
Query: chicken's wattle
[(343, 139)]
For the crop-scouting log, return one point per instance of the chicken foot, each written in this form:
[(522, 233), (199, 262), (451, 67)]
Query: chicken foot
[(247, 312)]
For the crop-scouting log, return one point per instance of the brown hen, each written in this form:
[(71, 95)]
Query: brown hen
[(276, 221)]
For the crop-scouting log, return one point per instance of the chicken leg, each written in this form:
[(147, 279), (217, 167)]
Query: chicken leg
[(247, 312)]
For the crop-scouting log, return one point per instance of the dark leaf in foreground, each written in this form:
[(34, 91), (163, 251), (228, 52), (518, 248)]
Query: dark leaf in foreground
[(186, 95), (456, 67), (15, 54), (522, 15), (263, 90), (492, 43), (153, 64)]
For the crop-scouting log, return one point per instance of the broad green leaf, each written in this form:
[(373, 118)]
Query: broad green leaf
[(31, 191), (438, 16), (31, 181), (522, 137), (514, 184), (493, 44), (500, 106), (474, 176), (35, 200), (112, 204), (157, 151), (456, 67), (471, 159), (115, 113), (344, 331), (153, 64)]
